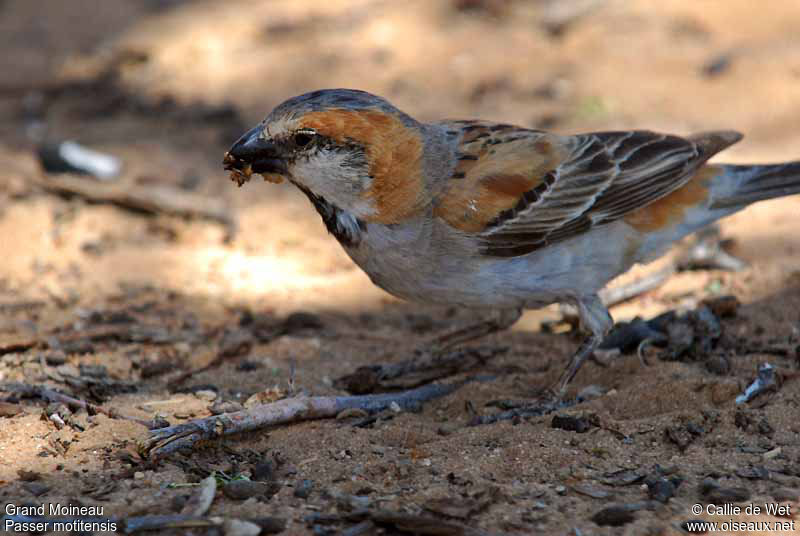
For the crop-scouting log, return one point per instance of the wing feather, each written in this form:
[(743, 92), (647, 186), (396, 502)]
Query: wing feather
[(608, 175), (547, 188)]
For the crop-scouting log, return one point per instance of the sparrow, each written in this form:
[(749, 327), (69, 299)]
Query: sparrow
[(495, 216)]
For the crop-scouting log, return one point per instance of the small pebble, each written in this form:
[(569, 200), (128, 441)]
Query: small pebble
[(178, 502), (660, 489), (302, 489), (718, 364), (264, 471), (786, 494), (592, 491), (302, 320), (206, 394), (240, 490), (447, 429), (722, 495), (93, 371), (270, 525), (228, 406), (613, 516), (36, 489), (591, 392), (717, 65), (55, 358), (571, 423), (28, 476), (239, 527), (723, 306)]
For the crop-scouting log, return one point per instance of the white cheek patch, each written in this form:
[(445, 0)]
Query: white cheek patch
[(329, 175)]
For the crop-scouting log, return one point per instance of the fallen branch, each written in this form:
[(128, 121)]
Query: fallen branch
[(54, 396), (525, 411), (415, 372), (622, 293), (18, 345), (149, 199), (167, 440), (125, 333)]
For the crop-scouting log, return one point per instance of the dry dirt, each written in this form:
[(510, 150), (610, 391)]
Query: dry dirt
[(168, 85)]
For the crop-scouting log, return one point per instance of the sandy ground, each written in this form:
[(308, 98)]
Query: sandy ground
[(168, 85)]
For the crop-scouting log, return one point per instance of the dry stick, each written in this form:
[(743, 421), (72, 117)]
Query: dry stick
[(55, 396), (149, 199), (166, 440), (122, 333), (616, 295), (417, 371), (451, 360), (17, 346)]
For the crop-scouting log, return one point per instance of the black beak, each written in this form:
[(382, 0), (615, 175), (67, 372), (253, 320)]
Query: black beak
[(253, 153)]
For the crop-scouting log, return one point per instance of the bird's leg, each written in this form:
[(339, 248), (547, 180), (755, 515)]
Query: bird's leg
[(501, 320), (596, 318)]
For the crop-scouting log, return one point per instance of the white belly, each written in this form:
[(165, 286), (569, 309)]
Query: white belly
[(407, 262)]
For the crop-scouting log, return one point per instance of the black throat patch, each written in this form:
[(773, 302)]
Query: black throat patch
[(346, 228)]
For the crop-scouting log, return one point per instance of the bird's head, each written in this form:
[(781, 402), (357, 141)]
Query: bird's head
[(350, 148)]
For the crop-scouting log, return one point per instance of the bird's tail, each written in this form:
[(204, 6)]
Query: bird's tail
[(732, 188), (746, 184)]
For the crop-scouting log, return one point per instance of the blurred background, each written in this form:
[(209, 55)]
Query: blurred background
[(165, 86)]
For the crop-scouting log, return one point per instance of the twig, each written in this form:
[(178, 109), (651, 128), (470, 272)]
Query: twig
[(18, 345), (15, 307), (166, 440), (534, 409), (125, 333), (236, 343), (616, 295), (55, 396), (415, 372), (148, 199)]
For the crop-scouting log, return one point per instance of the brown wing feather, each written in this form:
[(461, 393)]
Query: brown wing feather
[(605, 176), (497, 165)]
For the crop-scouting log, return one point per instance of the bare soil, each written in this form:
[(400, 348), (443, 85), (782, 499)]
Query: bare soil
[(111, 305)]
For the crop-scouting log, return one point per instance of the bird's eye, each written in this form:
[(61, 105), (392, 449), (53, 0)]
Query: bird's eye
[(302, 138)]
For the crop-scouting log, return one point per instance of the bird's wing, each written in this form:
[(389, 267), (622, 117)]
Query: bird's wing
[(519, 189)]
